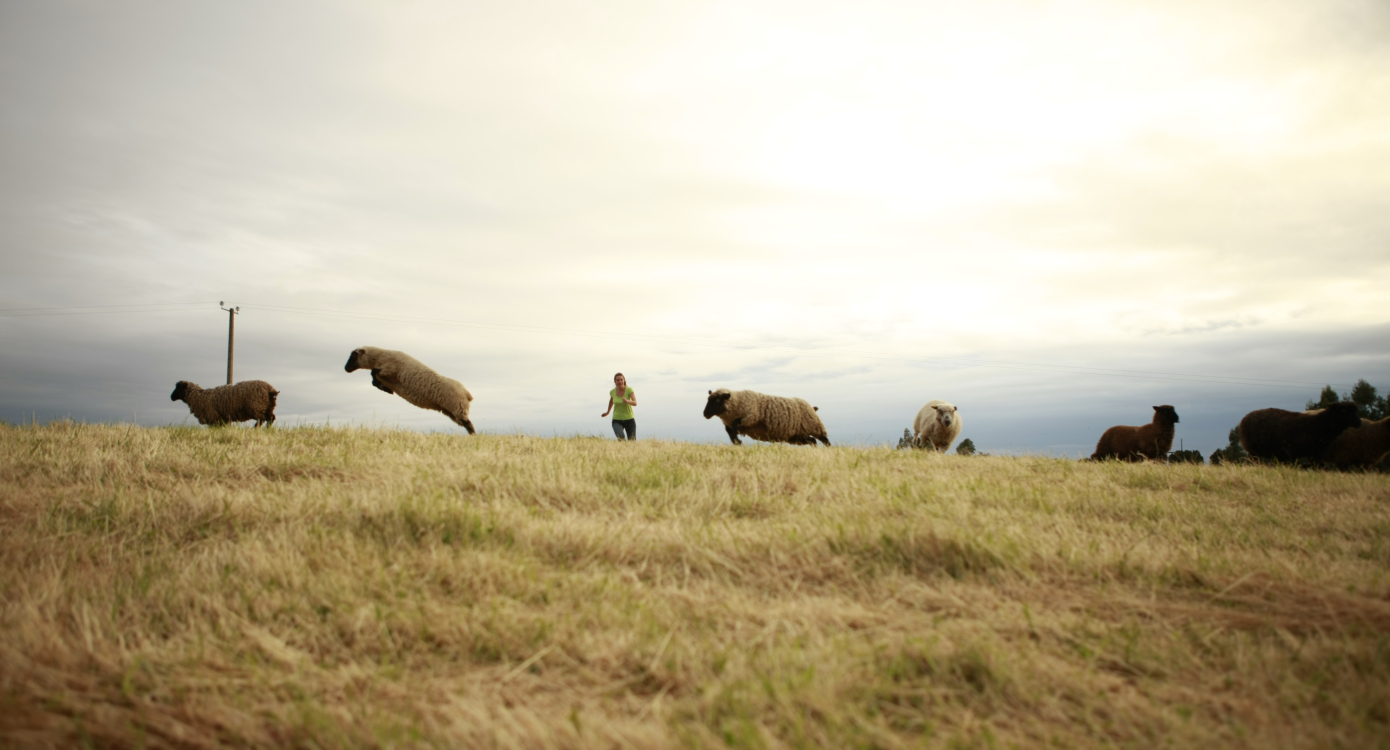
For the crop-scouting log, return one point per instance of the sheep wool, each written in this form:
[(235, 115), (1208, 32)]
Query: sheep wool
[(407, 377), (1151, 441), (773, 419), (937, 425), (1288, 436), (1360, 448), (249, 399)]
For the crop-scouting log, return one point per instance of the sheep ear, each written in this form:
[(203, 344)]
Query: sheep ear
[(711, 393)]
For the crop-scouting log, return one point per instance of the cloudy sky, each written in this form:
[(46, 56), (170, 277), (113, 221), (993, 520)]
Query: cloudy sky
[(1054, 215)]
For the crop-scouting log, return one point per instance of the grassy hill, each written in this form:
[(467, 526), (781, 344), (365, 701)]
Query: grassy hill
[(320, 587)]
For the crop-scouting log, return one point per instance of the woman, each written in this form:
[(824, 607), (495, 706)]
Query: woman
[(626, 398)]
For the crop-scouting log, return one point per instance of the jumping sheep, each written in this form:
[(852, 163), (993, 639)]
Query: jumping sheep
[(407, 377), (1280, 435), (773, 419), (937, 425), (1152, 441), (249, 399), (1361, 448)]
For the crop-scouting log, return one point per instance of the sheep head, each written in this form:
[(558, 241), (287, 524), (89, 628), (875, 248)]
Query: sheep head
[(356, 360), (181, 390), (1343, 414), (1165, 415), (945, 413), (718, 402)]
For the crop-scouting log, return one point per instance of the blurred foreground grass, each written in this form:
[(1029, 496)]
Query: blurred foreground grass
[(319, 587)]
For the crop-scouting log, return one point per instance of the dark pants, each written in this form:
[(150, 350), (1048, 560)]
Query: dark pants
[(625, 425)]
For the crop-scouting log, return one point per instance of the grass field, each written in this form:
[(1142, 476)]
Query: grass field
[(317, 587)]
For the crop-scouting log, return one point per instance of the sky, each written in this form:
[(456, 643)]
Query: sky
[(1054, 215)]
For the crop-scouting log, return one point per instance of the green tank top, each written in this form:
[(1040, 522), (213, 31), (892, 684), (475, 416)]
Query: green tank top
[(621, 411)]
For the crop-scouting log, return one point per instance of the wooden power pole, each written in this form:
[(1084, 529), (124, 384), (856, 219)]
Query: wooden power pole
[(231, 336)]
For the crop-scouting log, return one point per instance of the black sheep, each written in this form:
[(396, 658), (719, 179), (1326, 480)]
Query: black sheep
[(1280, 435)]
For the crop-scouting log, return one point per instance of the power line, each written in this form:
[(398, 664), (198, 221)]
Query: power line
[(689, 341), (98, 308), (650, 338)]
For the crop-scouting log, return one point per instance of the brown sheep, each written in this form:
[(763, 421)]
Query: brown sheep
[(1288, 436), (1365, 447), (249, 399), (1152, 441), (407, 377), (773, 419)]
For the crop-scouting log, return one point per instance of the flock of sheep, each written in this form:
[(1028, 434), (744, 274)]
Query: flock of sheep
[(1334, 436)]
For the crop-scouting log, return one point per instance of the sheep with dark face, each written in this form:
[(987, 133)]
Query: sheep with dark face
[(773, 419), (1289, 436), (1151, 441), (937, 425), (1361, 448), (407, 377), (249, 399)]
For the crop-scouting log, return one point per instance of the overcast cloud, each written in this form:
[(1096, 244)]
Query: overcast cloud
[(1053, 215)]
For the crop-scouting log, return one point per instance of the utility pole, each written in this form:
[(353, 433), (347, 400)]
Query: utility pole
[(231, 336)]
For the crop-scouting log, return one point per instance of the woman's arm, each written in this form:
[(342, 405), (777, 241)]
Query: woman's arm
[(610, 407), (631, 401)]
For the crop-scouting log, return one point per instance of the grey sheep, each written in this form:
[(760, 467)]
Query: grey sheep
[(773, 419), (1288, 436), (407, 377), (249, 399)]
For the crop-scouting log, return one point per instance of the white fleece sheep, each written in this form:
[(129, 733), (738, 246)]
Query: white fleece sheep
[(249, 399), (937, 425), (407, 377), (773, 419)]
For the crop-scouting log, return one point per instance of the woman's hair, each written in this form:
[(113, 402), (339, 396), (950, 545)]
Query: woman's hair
[(617, 375)]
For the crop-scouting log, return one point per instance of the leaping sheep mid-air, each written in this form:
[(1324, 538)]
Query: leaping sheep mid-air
[(1152, 441), (772, 419), (1288, 436), (249, 399), (937, 425), (407, 377)]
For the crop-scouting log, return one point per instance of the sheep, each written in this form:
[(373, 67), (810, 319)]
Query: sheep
[(249, 399), (407, 377), (1152, 440), (773, 419), (937, 425), (1288, 436), (1363, 448)]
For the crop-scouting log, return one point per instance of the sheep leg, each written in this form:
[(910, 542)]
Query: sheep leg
[(376, 381), (824, 439), (732, 429)]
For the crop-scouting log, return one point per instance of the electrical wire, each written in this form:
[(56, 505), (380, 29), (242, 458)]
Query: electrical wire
[(681, 340)]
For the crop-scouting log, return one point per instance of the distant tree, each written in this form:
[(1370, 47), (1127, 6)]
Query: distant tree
[(1327, 398), (1233, 452), (905, 442), (1368, 403), (1186, 457), (966, 447)]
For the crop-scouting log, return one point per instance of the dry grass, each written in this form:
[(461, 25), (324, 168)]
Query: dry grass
[(350, 587)]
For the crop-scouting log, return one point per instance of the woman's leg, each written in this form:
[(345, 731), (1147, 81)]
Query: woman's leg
[(630, 425), (618, 429)]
